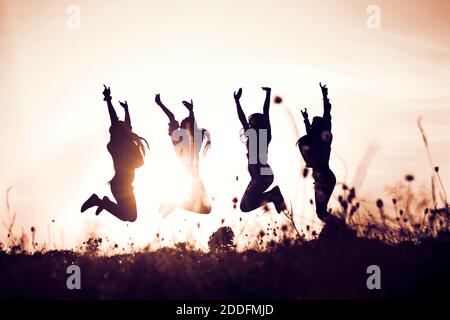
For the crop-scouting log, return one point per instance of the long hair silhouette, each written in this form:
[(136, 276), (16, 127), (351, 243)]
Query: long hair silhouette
[(127, 150), (188, 140), (258, 134)]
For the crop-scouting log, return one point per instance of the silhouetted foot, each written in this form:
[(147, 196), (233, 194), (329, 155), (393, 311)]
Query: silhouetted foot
[(322, 213), (201, 209), (93, 201), (278, 200), (336, 229), (100, 207), (205, 209), (328, 218)]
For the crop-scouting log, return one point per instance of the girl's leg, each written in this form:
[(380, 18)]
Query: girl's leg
[(93, 201), (124, 212), (125, 208), (197, 206), (275, 196), (199, 200), (324, 183), (254, 196)]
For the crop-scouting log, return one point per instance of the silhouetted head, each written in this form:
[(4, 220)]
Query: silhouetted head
[(317, 124), (188, 125), (256, 121), (119, 130), (121, 133)]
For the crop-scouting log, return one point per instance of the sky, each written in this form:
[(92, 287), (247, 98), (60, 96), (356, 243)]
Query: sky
[(55, 124)]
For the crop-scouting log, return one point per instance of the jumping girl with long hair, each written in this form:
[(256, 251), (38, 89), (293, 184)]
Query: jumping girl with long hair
[(127, 150), (188, 140), (258, 131)]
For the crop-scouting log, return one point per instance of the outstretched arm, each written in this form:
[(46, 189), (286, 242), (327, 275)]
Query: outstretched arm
[(241, 114), (306, 120), (266, 110), (107, 98), (190, 107), (326, 106), (168, 113), (173, 123), (127, 114)]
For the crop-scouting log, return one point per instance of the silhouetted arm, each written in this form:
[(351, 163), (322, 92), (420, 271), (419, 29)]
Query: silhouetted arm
[(241, 114), (190, 107), (266, 111), (326, 107), (307, 126), (112, 112), (107, 97), (173, 123), (127, 114), (306, 120), (168, 113)]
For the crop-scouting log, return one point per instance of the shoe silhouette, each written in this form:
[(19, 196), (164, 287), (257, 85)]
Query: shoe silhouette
[(93, 201), (278, 200)]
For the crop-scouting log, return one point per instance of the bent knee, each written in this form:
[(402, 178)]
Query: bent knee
[(206, 210), (245, 207), (132, 214), (129, 214)]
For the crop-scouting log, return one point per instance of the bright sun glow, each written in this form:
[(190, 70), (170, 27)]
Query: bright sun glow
[(55, 124)]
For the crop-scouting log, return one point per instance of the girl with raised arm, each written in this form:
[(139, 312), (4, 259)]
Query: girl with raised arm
[(127, 151), (315, 147), (258, 134), (188, 141)]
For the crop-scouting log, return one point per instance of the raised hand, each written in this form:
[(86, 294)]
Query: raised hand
[(124, 105), (304, 113), (238, 94), (106, 93), (158, 99), (189, 105), (324, 90)]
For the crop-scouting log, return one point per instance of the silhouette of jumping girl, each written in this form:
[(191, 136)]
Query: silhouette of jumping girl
[(315, 147), (127, 151), (258, 136), (187, 140)]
